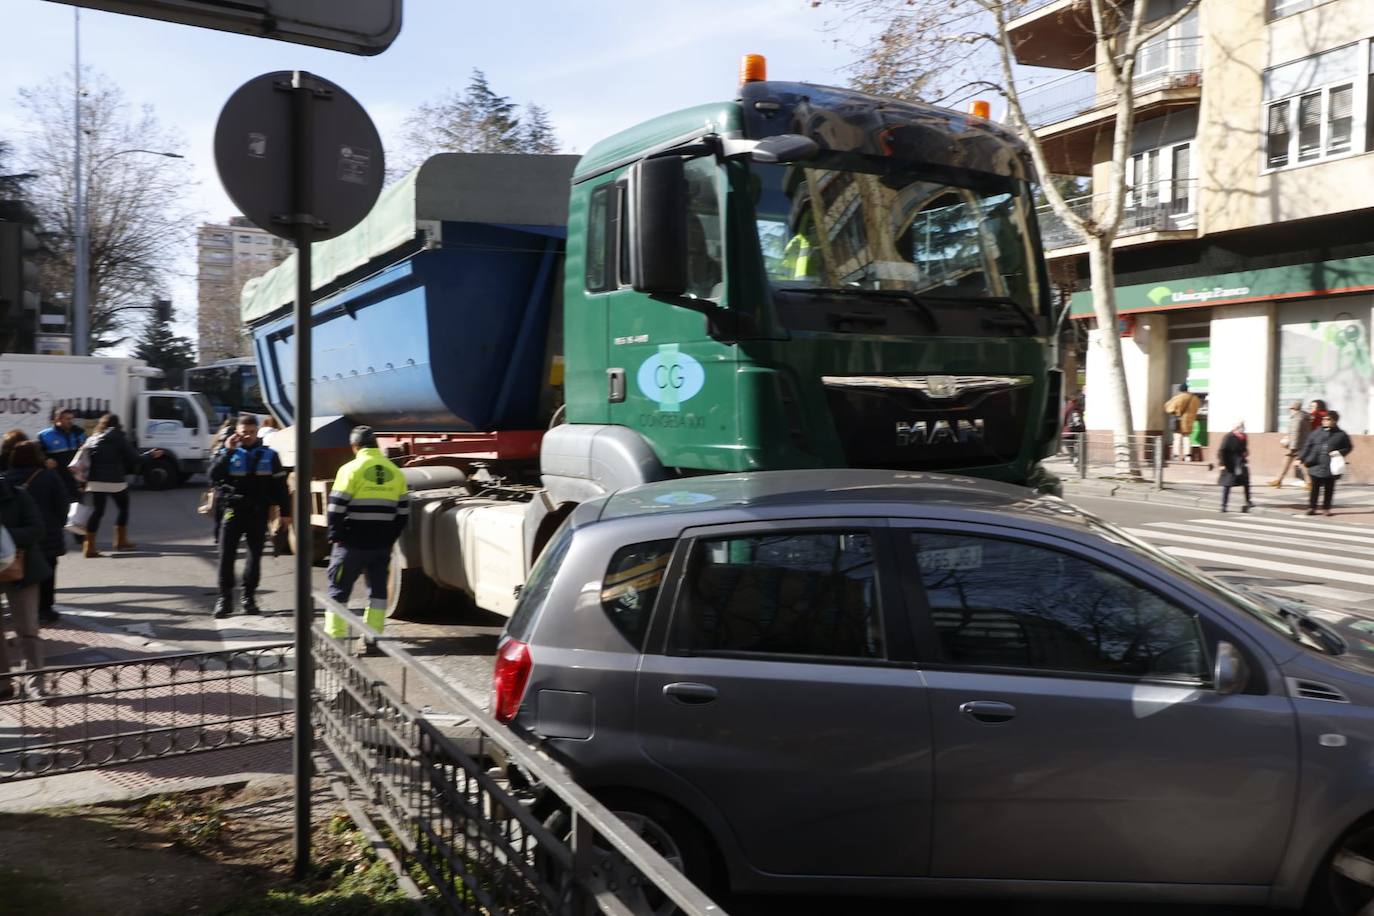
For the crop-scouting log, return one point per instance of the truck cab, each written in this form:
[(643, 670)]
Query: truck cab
[(182, 425)]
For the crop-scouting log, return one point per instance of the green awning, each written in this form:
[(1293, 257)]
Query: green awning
[(1299, 281)]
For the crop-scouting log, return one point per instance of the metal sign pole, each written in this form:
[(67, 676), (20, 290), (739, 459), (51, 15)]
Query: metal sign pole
[(302, 98)]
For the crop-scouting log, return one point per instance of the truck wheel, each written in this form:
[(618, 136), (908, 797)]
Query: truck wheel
[(410, 593), (161, 475), (319, 547)]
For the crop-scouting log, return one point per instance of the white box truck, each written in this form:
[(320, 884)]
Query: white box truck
[(181, 423)]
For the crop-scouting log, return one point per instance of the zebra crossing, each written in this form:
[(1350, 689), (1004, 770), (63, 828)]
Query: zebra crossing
[(1320, 561)]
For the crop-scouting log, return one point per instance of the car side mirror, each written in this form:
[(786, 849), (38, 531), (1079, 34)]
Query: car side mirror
[(1231, 672), (658, 213)]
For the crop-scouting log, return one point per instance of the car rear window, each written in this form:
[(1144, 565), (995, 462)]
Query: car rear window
[(538, 584), (631, 586)]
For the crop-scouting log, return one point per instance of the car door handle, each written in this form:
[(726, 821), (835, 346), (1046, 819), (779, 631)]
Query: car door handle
[(988, 710), (688, 692)]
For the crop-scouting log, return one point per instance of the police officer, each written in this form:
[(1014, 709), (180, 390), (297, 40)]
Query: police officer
[(249, 480), (61, 442), (368, 510)]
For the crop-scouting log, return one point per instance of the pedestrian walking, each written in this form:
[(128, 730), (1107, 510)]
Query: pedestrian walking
[(1075, 426), (113, 459), (7, 444), (249, 480), (1234, 457), (368, 509), (1316, 412), (20, 516), (28, 471), (1181, 410), (1324, 457), (1295, 437)]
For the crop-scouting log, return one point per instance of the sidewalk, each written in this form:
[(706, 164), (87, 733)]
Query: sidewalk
[(74, 641), (1194, 485)]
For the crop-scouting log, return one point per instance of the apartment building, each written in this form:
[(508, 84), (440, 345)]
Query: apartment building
[(1245, 263), (227, 257)]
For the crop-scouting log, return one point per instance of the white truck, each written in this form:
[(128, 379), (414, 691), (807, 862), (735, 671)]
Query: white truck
[(180, 423)]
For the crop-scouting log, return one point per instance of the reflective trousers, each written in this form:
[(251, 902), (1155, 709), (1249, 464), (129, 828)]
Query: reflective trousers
[(345, 565)]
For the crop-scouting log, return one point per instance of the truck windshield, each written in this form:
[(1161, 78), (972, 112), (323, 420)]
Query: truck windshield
[(849, 222)]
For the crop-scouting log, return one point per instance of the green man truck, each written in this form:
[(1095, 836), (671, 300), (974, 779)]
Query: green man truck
[(799, 277)]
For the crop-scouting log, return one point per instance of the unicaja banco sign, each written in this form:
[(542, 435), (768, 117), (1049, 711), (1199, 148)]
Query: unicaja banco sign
[(1164, 295)]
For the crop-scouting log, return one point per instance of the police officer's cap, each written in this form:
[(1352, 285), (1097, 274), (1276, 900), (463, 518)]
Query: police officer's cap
[(363, 437)]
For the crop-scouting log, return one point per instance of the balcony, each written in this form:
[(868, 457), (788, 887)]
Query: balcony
[(1069, 113), (1053, 33), (1156, 211)]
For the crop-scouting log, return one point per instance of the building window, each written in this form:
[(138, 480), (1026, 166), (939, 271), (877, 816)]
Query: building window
[(246, 239), (1316, 108), (1280, 8)]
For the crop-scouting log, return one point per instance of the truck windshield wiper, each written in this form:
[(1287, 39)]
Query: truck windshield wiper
[(1020, 309), (859, 292)]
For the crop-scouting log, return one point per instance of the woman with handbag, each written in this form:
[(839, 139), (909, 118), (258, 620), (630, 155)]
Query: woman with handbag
[(29, 471), (19, 583), (112, 460), (1324, 457)]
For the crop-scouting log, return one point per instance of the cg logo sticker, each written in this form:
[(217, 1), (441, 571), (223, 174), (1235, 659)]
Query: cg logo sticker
[(670, 378)]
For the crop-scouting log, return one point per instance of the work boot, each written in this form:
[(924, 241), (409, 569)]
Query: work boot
[(250, 605), (122, 541), (88, 547), (223, 607)]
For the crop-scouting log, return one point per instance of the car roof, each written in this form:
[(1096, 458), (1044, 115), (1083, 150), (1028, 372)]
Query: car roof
[(832, 491)]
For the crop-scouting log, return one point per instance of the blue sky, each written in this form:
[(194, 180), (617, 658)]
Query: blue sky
[(596, 65)]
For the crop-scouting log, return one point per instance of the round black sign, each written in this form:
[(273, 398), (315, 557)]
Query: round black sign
[(254, 152)]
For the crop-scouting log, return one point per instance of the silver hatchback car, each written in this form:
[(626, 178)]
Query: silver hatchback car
[(871, 682)]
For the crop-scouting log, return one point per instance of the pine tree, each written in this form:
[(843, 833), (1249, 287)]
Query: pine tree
[(538, 131), (162, 349)]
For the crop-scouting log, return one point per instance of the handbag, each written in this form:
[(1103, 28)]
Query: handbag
[(77, 516), (15, 571), (80, 465), (1337, 464)]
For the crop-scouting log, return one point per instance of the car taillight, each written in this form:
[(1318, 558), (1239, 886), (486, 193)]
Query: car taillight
[(509, 678)]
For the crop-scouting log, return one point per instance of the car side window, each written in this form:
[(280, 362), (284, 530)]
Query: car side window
[(810, 593), (630, 588), (1010, 604)]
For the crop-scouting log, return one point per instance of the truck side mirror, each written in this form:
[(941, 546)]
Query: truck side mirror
[(658, 226)]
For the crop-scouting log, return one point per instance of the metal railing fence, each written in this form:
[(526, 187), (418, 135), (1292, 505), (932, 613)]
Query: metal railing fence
[(1174, 63), (1104, 454), (454, 816), (1153, 206), (103, 715)]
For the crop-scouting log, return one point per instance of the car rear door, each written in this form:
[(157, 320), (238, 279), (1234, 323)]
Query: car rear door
[(1077, 735), (781, 690)]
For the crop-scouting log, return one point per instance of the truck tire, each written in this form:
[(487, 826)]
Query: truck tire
[(410, 593), (161, 474), (319, 547)]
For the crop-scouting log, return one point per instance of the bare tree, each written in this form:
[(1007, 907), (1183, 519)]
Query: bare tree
[(137, 217), (942, 50)]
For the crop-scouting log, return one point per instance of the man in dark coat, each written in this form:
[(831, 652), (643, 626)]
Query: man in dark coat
[(21, 518), (1316, 457), (1234, 456), (250, 480)]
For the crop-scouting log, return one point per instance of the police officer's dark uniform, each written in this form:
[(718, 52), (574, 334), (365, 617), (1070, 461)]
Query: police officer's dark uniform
[(249, 480)]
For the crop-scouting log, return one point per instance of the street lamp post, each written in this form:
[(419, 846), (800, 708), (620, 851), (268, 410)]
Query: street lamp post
[(81, 279), (81, 305)]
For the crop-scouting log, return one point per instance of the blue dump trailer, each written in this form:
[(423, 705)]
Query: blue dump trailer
[(441, 312)]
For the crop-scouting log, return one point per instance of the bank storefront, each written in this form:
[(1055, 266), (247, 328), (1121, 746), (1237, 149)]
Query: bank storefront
[(1252, 342)]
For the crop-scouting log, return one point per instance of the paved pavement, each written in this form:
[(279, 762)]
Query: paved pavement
[(1195, 485), (157, 600)]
